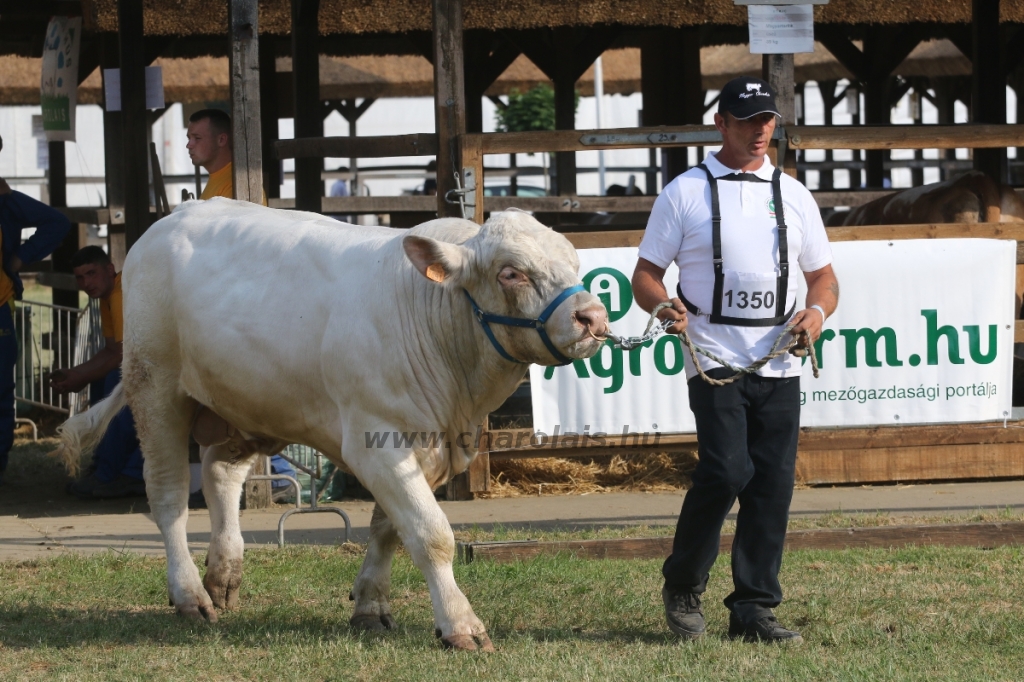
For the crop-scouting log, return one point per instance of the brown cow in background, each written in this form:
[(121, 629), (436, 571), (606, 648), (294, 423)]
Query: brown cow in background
[(969, 198)]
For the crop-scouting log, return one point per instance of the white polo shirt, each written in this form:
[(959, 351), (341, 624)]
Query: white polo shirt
[(680, 230)]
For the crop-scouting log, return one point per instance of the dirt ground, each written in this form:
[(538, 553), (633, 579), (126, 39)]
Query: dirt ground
[(35, 484)]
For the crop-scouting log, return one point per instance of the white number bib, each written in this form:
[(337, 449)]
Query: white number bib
[(749, 295)]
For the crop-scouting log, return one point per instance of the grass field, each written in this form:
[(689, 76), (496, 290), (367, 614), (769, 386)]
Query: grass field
[(949, 614)]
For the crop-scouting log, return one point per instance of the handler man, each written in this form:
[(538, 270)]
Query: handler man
[(733, 225), (209, 146)]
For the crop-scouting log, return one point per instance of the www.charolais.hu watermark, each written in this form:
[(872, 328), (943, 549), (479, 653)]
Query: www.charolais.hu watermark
[(508, 439)]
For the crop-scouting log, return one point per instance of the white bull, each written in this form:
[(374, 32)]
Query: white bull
[(293, 328)]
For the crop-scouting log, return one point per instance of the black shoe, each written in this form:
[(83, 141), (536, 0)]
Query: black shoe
[(122, 486), (683, 613), (83, 487), (764, 629)]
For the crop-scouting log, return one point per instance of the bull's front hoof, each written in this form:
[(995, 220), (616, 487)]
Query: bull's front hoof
[(223, 590), (468, 642), (372, 622), (198, 612)]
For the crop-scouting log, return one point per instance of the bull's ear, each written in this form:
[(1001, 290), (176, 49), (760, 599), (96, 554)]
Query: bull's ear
[(436, 260)]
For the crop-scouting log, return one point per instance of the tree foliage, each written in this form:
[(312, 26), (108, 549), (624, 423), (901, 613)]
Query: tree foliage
[(530, 110)]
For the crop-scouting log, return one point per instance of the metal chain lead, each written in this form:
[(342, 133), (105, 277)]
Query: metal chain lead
[(655, 328)]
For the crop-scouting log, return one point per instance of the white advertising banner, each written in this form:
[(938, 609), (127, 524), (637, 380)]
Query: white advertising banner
[(923, 334)]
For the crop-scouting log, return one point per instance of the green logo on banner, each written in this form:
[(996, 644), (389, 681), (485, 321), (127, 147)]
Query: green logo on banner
[(614, 290)]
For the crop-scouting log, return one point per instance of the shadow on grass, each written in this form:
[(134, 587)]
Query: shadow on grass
[(29, 626)]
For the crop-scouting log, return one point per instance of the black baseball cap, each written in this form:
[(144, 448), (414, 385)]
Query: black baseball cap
[(747, 96)]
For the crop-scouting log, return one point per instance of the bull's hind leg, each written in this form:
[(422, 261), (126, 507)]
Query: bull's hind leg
[(373, 584), (397, 483), (163, 416), (224, 470)]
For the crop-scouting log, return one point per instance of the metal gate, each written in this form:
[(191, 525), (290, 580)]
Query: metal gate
[(52, 338)]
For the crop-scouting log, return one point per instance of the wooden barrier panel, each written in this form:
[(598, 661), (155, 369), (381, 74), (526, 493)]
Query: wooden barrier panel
[(984, 535)]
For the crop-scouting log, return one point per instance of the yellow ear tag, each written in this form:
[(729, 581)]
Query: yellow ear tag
[(435, 272)]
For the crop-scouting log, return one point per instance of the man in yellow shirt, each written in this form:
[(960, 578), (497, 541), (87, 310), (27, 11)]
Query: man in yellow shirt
[(117, 464), (209, 146)]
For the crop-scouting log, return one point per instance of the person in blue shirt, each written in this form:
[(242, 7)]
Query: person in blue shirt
[(18, 211)]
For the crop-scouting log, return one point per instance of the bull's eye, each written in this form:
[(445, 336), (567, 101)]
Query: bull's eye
[(509, 277)]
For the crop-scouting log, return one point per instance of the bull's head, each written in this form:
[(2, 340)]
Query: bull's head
[(515, 267)]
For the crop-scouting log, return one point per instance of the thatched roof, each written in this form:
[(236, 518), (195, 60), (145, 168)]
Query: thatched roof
[(205, 79), (202, 17)]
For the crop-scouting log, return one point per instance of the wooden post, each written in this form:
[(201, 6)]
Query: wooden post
[(246, 143), (565, 107), (988, 92), (113, 161), (309, 122), (472, 158), (826, 178), (476, 478), (268, 117), (134, 120), (777, 69), (449, 99), (673, 92), (258, 494)]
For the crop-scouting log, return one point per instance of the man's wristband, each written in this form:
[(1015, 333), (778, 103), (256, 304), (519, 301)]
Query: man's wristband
[(822, 311)]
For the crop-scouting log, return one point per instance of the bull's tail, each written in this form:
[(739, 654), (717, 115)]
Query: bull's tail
[(80, 434)]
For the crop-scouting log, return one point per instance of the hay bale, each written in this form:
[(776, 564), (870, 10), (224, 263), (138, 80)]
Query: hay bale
[(660, 472)]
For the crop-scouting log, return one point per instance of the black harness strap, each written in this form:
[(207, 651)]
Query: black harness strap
[(782, 283)]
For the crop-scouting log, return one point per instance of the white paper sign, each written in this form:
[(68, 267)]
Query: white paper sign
[(781, 29), (154, 88), (923, 334)]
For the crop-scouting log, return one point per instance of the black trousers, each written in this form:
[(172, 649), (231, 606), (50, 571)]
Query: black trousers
[(747, 436)]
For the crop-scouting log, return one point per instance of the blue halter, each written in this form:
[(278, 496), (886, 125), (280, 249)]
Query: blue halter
[(487, 318)]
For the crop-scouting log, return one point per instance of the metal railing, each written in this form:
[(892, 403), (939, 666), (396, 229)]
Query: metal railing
[(310, 462), (53, 338)]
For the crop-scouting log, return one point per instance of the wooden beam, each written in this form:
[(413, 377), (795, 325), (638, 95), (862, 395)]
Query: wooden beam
[(384, 204), (921, 463), (113, 159), (309, 188), (976, 136), (487, 55), (134, 120), (449, 99), (984, 535), (596, 240), (269, 108), (988, 92), (670, 81), (244, 67), (417, 144), (87, 214)]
